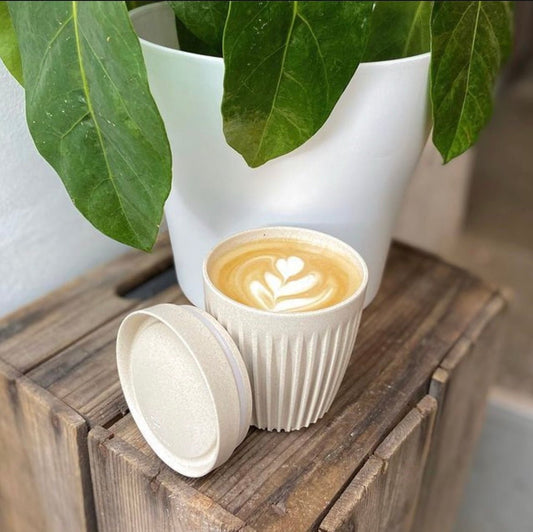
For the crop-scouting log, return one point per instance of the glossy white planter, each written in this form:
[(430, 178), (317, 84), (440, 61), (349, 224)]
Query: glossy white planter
[(348, 180)]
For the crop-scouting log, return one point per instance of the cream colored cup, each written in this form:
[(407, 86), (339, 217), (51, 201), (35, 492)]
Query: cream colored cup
[(296, 361)]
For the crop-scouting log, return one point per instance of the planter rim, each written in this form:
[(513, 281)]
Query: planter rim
[(220, 60)]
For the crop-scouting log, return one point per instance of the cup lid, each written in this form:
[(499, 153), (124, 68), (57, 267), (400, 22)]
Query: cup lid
[(186, 385)]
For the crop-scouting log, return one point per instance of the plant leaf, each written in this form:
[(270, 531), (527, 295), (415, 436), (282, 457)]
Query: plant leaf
[(398, 29), (91, 114), (188, 42), (205, 20), (506, 30), (470, 40), (9, 50), (287, 63), (133, 4)]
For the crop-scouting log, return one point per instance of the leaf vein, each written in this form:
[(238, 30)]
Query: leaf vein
[(319, 50), (93, 114), (469, 71), (276, 92), (47, 51)]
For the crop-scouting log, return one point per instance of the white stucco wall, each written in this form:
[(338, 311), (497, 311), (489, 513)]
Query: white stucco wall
[(44, 241)]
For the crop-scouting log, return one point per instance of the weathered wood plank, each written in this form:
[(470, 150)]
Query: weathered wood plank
[(274, 481), (43, 434), (44, 480), (460, 386), (17, 491), (43, 428), (54, 435), (383, 495), (85, 375), (137, 493), (280, 481), (42, 329)]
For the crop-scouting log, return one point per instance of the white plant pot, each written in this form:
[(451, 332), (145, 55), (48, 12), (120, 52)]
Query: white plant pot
[(348, 180)]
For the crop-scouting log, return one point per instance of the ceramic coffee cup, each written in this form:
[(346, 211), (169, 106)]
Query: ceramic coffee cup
[(296, 360)]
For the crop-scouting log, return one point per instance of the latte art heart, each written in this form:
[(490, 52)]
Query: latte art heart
[(285, 292), (283, 275), (290, 266)]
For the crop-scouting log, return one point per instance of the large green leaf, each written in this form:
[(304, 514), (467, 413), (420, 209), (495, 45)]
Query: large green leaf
[(205, 20), (134, 4), (91, 114), (188, 42), (470, 40), (9, 50), (287, 63), (398, 29)]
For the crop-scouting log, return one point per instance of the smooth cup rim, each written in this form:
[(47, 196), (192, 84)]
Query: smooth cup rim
[(349, 251)]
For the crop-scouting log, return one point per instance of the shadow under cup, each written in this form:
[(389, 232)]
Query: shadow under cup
[(296, 360)]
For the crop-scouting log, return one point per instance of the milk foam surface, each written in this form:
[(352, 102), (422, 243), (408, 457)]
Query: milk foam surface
[(285, 275)]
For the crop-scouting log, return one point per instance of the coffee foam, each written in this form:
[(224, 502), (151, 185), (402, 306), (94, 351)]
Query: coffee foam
[(285, 275)]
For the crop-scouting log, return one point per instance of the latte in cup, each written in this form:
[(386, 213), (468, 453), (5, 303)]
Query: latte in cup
[(291, 299), (285, 275)]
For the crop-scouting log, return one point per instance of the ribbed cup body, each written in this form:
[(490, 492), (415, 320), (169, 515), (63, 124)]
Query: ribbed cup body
[(296, 361), (295, 369)]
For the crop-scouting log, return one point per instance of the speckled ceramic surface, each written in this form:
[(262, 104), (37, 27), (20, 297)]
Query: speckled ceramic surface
[(296, 361), (186, 386)]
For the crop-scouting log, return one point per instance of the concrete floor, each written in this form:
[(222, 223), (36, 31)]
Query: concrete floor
[(499, 493)]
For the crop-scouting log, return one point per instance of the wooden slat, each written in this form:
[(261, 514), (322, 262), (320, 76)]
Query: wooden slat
[(280, 481), (44, 422), (44, 481), (136, 493), (85, 375), (273, 481), (17, 490), (54, 435), (460, 386), (43, 430), (383, 495), (40, 330)]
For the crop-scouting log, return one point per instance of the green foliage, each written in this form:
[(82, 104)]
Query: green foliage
[(287, 63), (205, 21), (190, 43), (470, 40), (398, 29), (9, 50), (132, 4), (92, 116)]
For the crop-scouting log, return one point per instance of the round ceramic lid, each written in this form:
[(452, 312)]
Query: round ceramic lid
[(186, 386)]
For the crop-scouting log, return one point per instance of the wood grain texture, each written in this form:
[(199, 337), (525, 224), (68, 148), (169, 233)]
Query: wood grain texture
[(45, 421), (55, 437), (85, 374), (288, 481), (137, 493), (383, 495), (44, 467), (42, 329), (17, 490), (460, 386), (59, 379), (44, 470)]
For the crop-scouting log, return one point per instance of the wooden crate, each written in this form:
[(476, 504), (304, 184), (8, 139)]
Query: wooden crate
[(46, 415), (382, 443)]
